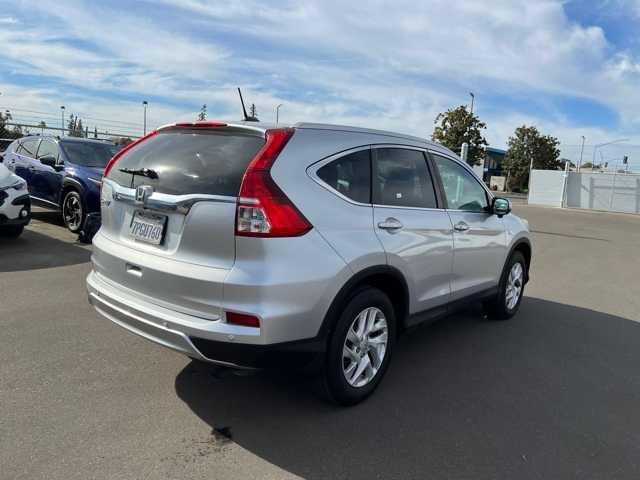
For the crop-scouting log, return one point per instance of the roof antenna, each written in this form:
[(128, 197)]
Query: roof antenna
[(247, 118)]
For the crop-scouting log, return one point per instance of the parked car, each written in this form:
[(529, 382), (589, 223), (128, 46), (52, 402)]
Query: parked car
[(15, 205), (250, 246), (62, 173)]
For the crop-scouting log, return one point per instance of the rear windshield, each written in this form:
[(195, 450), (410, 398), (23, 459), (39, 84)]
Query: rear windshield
[(89, 154), (186, 161)]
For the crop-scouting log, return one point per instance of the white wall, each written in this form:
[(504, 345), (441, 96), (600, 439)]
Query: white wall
[(546, 188)]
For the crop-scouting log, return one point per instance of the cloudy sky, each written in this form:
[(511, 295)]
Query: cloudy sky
[(571, 68)]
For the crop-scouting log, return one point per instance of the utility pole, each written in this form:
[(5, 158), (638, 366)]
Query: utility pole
[(144, 105), (62, 108), (581, 152)]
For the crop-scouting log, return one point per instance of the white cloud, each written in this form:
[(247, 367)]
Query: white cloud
[(391, 66)]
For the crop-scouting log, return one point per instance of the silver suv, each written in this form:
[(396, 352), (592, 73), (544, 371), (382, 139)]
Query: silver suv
[(249, 246)]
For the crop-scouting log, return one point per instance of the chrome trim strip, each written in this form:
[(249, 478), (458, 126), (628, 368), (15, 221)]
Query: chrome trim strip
[(164, 201)]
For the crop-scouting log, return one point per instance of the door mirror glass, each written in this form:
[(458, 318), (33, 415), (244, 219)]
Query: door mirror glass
[(501, 206)]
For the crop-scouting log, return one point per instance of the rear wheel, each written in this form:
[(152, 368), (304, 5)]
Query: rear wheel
[(73, 211), (360, 348), (11, 231), (511, 289)]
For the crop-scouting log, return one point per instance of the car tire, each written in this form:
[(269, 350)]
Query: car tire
[(365, 323), (73, 211), (511, 289), (11, 231)]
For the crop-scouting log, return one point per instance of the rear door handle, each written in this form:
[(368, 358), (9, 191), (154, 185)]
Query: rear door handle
[(461, 227), (390, 224)]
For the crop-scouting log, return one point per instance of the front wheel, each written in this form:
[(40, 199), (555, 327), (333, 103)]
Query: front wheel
[(360, 348), (511, 289), (73, 211)]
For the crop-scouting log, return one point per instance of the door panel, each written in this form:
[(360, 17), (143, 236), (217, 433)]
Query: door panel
[(479, 240), (478, 251), (25, 158), (47, 181), (416, 235)]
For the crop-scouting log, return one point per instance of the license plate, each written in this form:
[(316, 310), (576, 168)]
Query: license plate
[(147, 227)]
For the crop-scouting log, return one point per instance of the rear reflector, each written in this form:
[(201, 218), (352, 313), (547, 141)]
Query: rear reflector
[(263, 210), (243, 320)]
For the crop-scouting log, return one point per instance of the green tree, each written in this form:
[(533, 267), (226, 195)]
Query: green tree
[(5, 130), (202, 116), (75, 128), (253, 111), (457, 126), (528, 147)]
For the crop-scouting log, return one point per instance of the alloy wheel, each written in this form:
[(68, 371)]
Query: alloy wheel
[(365, 347)]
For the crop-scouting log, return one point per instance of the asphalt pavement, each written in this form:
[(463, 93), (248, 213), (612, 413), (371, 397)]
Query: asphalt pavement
[(553, 393)]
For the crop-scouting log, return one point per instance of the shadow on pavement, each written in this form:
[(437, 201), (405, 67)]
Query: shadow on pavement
[(33, 250), (553, 393)]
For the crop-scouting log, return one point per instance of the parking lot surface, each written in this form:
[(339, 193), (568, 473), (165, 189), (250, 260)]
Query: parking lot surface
[(553, 393)]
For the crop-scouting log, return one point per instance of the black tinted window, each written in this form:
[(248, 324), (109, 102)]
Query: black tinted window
[(461, 188), (402, 178), (186, 161), (89, 154), (29, 147), (350, 175), (47, 147)]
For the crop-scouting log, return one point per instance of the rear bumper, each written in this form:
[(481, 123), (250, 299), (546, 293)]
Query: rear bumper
[(201, 339)]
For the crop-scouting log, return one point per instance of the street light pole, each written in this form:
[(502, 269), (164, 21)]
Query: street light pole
[(62, 108), (144, 104), (278, 113), (596, 147), (581, 152), (473, 97)]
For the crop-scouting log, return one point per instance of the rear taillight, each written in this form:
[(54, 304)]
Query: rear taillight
[(263, 210), (243, 319), (124, 150)]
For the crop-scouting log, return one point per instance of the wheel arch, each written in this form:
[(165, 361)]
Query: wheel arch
[(522, 245), (383, 277), (69, 183)]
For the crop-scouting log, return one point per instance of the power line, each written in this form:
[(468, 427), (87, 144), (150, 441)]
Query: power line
[(118, 122)]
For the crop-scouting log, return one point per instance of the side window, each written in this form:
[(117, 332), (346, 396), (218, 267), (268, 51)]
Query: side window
[(350, 175), (29, 147), (47, 147), (462, 190), (402, 178)]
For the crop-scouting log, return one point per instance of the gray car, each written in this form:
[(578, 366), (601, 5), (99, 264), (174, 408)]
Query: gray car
[(250, 246)]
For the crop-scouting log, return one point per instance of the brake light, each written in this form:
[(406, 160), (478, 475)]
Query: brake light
[(124, 150), (243, 319), (201, 124), (263, 210)]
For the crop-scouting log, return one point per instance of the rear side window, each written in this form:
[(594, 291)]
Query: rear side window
[(29, 147), (402, 179), (350, 175), (209, 162)]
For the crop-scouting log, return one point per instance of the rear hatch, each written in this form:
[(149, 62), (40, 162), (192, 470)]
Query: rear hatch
[(169, 211)]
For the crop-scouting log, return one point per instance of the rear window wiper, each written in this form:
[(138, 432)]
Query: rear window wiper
[(144, 172)]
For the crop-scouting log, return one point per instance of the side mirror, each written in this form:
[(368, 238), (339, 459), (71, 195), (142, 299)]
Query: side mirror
[(500, 206), (48, 160)]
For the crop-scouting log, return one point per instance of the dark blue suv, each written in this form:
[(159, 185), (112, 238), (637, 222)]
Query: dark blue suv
[(62, 173)]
